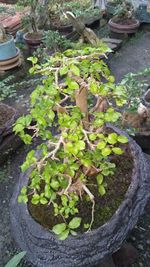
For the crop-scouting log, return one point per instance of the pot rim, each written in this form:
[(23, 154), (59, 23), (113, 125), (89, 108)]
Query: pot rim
[(17, 53), (25, 36), (11, 38), (124, 26)]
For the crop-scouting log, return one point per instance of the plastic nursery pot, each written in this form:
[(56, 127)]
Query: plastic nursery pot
[(8, 49), (88, 249), (129, 27)]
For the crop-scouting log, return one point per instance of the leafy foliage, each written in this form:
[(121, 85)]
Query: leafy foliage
[(136, 84), (55, 42), (83, 146)]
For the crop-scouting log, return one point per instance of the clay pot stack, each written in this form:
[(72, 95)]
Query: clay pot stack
[(12, 24)]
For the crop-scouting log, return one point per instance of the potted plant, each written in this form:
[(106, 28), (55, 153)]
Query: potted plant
[(85, 186), (7, 45), (123, 20), (111, 6), (33, 36)]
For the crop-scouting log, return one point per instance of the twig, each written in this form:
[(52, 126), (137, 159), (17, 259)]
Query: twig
[(87, 139)]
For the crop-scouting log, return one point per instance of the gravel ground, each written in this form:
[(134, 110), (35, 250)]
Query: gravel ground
[(134, 56)]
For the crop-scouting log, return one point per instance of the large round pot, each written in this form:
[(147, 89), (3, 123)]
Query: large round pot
[(117, 27), (8, 49), (88, 249)]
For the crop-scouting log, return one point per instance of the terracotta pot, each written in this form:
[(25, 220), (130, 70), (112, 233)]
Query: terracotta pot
[(88, 249), (123, 28), (33, 40)]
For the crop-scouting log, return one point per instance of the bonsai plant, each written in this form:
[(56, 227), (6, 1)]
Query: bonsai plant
[(123, 20), (66, 179), (7, 45), (31, 22)]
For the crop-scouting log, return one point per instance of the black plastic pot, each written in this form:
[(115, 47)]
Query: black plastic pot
[(86, 250)]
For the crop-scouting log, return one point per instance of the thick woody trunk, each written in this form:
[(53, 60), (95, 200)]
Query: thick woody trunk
[(86, 34)]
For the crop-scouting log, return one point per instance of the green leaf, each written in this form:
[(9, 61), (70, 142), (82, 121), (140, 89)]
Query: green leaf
[(101, 145), (75, 223), (117, 150), (101, 190), (64, 200), (34, 60), (63, 70), (73, 85), (99, 179), (43, 201), (73, 232), (59, 228), (112, 138), (106, 151), (75, 70), (122, 139), (54, 184), (24, 190), (35, 199), (81, 145), (92, 137), (16, 259), (64, 235), (86, 225)]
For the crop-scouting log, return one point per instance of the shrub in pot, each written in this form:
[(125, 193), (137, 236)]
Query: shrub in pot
[(69, 180), (33, 36), (123, 20)]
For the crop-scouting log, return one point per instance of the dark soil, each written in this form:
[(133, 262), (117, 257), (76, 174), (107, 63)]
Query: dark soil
[(105, 206), (34, 36), (5, 115), (124, 21)]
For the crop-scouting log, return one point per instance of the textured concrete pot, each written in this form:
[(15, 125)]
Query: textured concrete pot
[(8, 49), (88, 249), (123, 28)]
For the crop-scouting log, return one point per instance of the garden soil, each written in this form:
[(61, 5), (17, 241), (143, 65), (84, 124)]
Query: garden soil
[(132, 57)]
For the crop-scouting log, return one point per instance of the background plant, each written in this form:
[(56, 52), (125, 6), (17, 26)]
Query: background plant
[(54, 41), (82, 148), (136, 84)]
